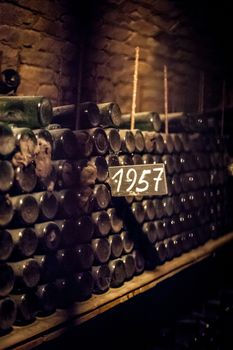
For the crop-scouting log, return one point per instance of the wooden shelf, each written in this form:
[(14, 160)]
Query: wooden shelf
[(48, 328)]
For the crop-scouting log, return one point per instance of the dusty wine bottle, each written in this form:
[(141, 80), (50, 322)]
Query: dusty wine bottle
[(25, 241), (7, 140), (84, 229), (112, 160), (130, 266), (167, 159), (147, 158), (127, 141), (66, 261), (101, 197), (125, 159), (139, 141), (118, 275), (7, 278), (7, 313), (6, 175), (102, 278), (115, 220), (29, 111), (6, 245), (139, 262), (49, 236), (101, 167), (25, 178), (110, 114), (101, 249), (48, 204), (84, 257), (102, 223), (48, 267), (116, 245), (64, 292), (100, 141), (149, 209), (114, 140), (27, 306), (89, 116), (149, 230), (127, 241), (137, 159), (138, 211), (84, 143), (148, 121), (149, 139), (27, 273), (160, 229), (47, 298), (68, 203), (68, 228), (83, 285), (64, 143), (6, 210), (178, 145), (66, 175), (26, 208), (159, 146), (161, 252), (159, 209)]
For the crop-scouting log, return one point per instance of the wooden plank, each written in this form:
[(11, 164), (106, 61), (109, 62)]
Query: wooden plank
[(50, 327)]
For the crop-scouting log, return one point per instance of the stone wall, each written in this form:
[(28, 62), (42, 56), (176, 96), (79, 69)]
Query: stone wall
[(43, 40), (39, 39)]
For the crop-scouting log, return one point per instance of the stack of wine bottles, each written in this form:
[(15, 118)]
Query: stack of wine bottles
[(63, 237)]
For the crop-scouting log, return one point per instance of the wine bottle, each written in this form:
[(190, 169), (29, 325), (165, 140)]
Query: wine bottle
[(118, 275), (84, 142), (89, 115), (147, 121), (66, 261), (125, 159), (25, 178), (169, 246), (137, 159), (7, 313), (138, 211), (149, 139), (115, 220), (149, 230), (49, 267), (6, 175), (114, 140), (116, 245), (68, 203), (100, 141), (130, 266), (101, 197), (26, 143), (84, 257), (64, 143), (177, 242), (102, 223), (48, 204), (66, 174), (139, 262), (167, 159), (176, 163), (147, 159), (6, 210), (168, 143), (160, 252), (9, 81), (101, 249), (185, 141), (127, 241), (110, 114), (149, 209), (127, 141), (160, 229), (168, 206), (102, 278), (112, 160), (6, 245), (159, 208), (139, 140), (27, 273), (7, 279), (178, 145), (49, 236), (159, 146), (65, 293), (7, 140), (47, 298), (25, 241), (101, 166), (26, 306), (29, 111), (83, 285), (26, 208)]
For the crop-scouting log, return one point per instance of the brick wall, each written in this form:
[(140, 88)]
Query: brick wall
[(42, 39), (39, 39)]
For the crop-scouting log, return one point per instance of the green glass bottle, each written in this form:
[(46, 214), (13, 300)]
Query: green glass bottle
[(28, 111)]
